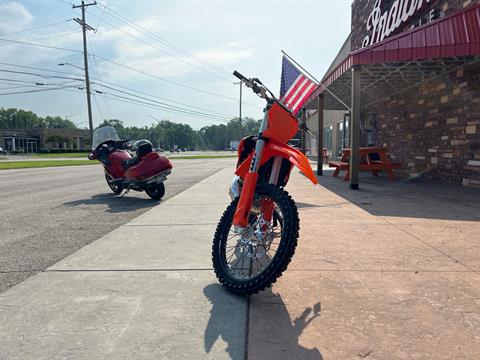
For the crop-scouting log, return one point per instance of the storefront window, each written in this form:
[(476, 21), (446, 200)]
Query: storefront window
[(327, 138)]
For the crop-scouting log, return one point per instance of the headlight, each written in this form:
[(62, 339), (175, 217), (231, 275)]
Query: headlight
[(234, 191)]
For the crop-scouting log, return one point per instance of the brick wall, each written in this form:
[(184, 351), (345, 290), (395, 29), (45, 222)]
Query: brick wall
[(434, 130), (361, 10)]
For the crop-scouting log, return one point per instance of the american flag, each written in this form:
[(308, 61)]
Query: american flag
[(296, 87)]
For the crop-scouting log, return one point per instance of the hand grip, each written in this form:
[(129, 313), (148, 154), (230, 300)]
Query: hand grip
[(239, 76)]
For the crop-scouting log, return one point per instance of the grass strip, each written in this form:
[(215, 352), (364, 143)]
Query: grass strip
[(4, 165), (25, 164), (61, 155), (84, 155)]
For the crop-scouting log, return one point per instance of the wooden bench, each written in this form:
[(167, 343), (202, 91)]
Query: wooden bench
[(366, 163)]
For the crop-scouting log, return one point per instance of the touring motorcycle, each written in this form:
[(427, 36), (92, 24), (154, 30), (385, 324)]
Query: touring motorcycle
[(128, 167), (257, 235)]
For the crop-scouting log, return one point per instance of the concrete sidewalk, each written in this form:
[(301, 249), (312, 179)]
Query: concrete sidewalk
[(144, 291), (368, 281), (389, 272)]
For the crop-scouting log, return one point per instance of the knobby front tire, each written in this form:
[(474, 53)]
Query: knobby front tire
[(289, 230)]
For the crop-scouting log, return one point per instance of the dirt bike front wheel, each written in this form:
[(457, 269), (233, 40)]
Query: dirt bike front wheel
[(250, 260)]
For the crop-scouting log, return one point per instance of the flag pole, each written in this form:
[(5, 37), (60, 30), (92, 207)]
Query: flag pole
[(314, 79)]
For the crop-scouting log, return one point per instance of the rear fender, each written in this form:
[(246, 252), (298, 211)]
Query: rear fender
[(273, 148)]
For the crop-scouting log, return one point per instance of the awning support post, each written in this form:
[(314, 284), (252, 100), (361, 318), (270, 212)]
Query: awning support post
[(302, 132), (355, 126), (320, 135)]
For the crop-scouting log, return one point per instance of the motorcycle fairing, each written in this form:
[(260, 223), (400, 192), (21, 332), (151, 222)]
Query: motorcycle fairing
[(149, 165), (273, 148), (116, 159)]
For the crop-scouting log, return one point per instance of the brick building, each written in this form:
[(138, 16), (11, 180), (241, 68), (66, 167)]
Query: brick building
[(34, 139), (417, 86)]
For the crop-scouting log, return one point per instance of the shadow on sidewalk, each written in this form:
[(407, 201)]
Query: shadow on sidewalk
[(222, 324), (273, 334), (416, 198), (115, 204)]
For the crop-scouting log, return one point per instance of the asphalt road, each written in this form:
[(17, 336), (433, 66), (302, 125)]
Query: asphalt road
[(48, 213)]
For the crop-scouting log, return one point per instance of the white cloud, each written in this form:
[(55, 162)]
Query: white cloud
[(148, 59), (230, 53), (13, 17)]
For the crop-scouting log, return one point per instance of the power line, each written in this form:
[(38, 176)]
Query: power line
[(15, 81), (154, 106), (39, 90), (102, 83), (158, 97), (16, 86), (50, 37), (164, 42), (36, 28), (126, 67), (40, 45), (164, 106), (166, 80), (37, 68), (164, 51), (98, 107), (168, 106), (107, 106), (45, 76), (86, 27)]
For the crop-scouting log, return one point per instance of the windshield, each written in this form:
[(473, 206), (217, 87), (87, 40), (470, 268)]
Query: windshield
[(103, 134)]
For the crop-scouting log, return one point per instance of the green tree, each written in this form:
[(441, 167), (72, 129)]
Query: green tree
[(56, 122)]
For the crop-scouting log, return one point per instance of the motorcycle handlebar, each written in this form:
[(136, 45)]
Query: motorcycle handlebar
[(256, 85), (239, 76)]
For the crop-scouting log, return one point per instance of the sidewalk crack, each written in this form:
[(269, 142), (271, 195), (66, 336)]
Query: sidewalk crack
[(429, 245), (247, 327)]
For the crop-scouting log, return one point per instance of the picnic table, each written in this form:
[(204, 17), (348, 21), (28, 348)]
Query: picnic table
[(372, 159)]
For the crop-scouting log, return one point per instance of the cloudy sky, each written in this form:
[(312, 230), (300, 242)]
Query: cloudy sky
[(180, 51)]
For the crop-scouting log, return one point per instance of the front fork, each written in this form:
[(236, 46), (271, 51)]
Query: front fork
[(240, 219)]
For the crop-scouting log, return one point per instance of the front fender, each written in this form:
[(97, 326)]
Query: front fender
[(273, 148)]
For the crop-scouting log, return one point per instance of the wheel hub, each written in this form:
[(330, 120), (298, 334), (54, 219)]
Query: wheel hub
[(256, 238)]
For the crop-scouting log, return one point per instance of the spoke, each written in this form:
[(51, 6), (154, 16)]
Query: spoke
[(235, 252), (232, 236), (238, 261), (243, 262), (250, 268)]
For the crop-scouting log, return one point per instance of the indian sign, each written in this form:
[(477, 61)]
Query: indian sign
[(381, 25)]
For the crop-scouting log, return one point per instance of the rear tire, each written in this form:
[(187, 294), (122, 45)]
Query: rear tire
[(117, 189), (156, 190), (289, 228)]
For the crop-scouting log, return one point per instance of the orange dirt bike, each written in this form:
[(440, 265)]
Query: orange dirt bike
[(257, 234)]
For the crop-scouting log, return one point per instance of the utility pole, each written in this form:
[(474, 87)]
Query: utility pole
[(240, 110), (86, 27), (240, 107)]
